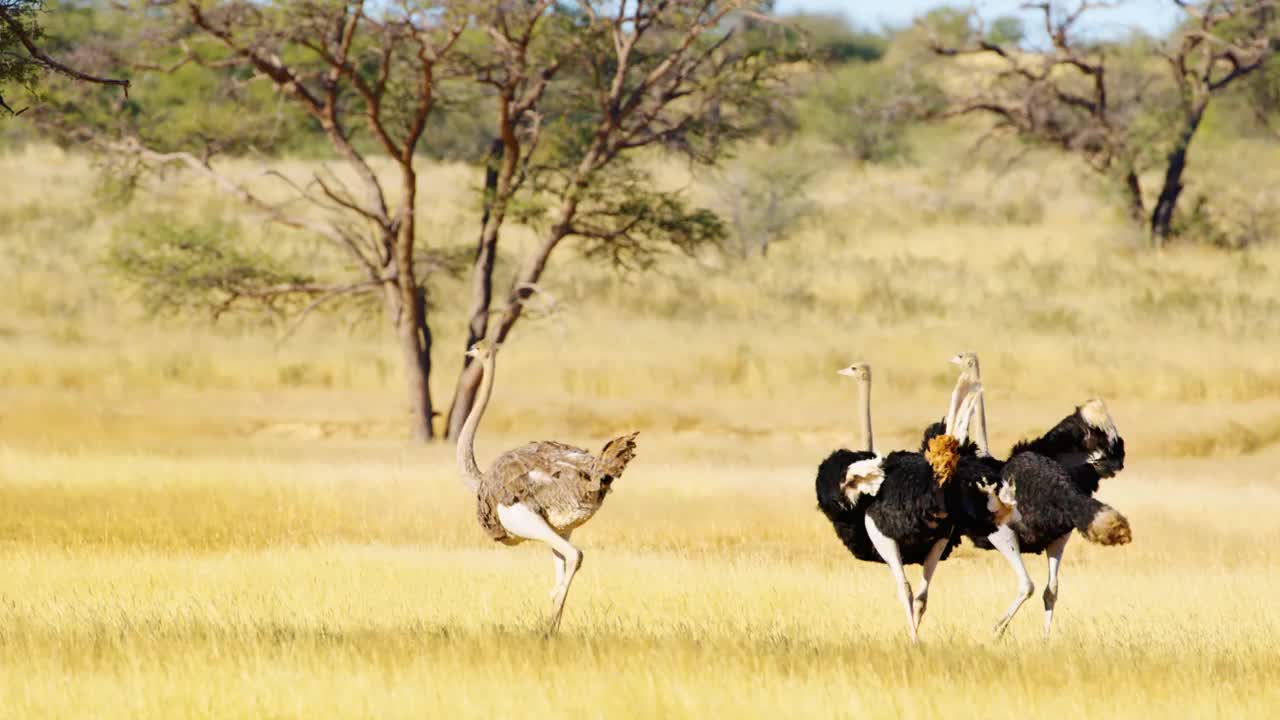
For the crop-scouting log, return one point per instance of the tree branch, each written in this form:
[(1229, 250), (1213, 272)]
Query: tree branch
[(134, 147), (48, 61)]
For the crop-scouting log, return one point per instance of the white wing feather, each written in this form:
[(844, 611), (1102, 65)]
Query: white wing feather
[(863, 478)]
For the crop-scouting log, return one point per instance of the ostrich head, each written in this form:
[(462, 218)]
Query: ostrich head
[(968, 361), (1001, 501), (858, 370), (1102, 439), (480, 350)]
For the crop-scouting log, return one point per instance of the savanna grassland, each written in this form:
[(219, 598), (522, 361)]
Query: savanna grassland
[(205, 520)]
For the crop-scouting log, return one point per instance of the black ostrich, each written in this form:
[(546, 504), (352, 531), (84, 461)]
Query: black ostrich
[(905, 508), (1055, 476)]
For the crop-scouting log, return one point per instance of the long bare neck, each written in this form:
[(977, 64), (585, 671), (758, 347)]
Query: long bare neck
[(467, 468), (864, 400), (957, 396), (980, 432), (964, 415)]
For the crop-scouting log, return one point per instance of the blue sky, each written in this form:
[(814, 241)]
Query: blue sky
[(1154, 16)]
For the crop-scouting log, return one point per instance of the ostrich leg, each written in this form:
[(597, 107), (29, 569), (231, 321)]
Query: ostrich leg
[(1054, 553), (560, 565), (560, 572), (519, 520), (888, 549), (1006, 541), (930, 564)]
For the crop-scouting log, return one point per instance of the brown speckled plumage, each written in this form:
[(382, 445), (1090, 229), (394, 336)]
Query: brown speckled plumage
[(540, 491), (564, 484)]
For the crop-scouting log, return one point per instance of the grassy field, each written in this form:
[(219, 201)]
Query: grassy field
[(199, 521)]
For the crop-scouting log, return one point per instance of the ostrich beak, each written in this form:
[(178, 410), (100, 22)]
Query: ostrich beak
[(958, 359), (846, 371)]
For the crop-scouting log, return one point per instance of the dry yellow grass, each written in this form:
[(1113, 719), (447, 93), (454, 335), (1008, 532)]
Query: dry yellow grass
[(198, 522), (244, 582)]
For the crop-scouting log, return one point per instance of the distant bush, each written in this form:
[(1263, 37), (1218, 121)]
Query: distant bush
[(865, 109), (1006, 30), (1231, 223), (818, 37), (764, 195)]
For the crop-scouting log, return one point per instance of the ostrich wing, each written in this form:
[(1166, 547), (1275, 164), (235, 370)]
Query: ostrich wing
[(552, 479), (863, 477)]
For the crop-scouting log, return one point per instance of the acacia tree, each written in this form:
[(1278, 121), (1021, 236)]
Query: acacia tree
[(23, 59), (367, 78), (575, 92), (610, 80), (1110, 109)]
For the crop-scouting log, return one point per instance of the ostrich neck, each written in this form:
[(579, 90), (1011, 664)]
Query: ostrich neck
[(980, 432), (864, 401), (964, 384), (957, 395), (467, 437)]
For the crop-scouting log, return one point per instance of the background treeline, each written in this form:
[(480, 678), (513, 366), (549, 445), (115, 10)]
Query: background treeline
[(960, 179), (856, 94)]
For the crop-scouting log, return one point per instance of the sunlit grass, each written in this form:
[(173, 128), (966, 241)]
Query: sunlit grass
[(203, 521), (230, 585)]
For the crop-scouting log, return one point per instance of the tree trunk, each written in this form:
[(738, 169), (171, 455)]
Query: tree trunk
[(524, 283), (481, 291), (1162, 215), (408, 301), (414, 336), (486, 247), (1133, 188), (500, 168), (521, 289)]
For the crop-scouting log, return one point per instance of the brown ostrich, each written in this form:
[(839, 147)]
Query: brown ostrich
[(540, 491)]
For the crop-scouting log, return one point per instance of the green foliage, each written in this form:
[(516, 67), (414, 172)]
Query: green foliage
[(1006, 30), (16, 67), (460, 128), (865, 109), (951, 26), (623, 219), (175, 266), (172, 105), (620, 215), (819, 37), (1261, 92)]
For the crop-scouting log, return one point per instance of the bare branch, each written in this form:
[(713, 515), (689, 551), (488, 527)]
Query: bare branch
[(322, 297), (134, 147), (48, 61)]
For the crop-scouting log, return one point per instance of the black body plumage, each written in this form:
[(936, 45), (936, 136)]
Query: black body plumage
[(966, 502), (1055, 476), (908, 507), (846, 517), (1075, 441), (1050, 505)]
